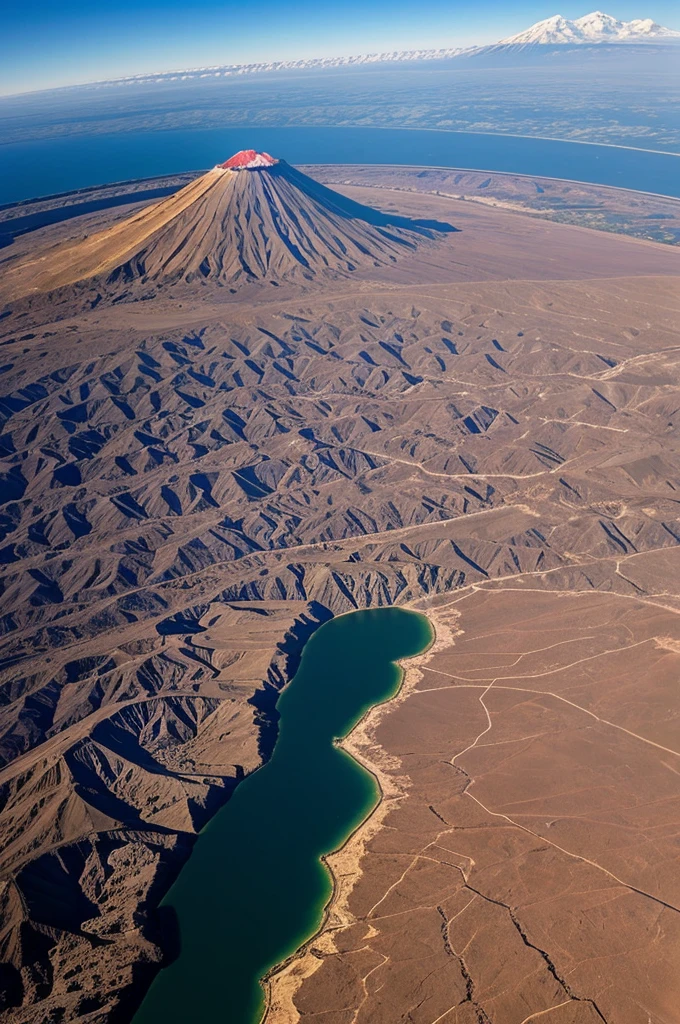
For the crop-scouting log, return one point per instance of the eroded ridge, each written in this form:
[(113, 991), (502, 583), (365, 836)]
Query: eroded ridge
[(191, 485)]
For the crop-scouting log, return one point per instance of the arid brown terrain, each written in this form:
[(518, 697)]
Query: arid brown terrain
[(640, 214), (480, 423)]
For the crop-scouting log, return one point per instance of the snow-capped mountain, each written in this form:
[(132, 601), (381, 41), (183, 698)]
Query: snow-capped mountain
[(645, 28), (591, 28)]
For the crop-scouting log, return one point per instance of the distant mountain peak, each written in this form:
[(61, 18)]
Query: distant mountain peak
[(598, 21), (596, 27)]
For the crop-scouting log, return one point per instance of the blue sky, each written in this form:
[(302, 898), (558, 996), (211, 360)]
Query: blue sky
[(58, 42)]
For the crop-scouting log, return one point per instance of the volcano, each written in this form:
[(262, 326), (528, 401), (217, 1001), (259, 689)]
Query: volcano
[(251, 218)]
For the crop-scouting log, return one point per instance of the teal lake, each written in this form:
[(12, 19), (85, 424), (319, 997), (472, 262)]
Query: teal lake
[(45, 167), (255, 887)]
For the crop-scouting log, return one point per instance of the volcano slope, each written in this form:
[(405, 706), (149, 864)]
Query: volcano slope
[(485, 428), (249, 219)]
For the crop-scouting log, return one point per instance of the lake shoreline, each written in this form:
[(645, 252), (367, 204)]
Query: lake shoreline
[(282, 982), (310, 798), (639, 214), (52, 166), (393, 127), (161, 178)]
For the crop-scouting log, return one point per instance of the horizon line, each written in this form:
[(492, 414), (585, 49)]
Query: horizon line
[(422, 53)]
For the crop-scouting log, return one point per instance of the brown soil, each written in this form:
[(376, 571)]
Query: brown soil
[(486, 430), (639, 214)]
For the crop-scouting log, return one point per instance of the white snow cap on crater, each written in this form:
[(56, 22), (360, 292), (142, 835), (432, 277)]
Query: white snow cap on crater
[(248, 160)]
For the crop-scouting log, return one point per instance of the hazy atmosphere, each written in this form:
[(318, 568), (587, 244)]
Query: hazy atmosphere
[(47, 45)]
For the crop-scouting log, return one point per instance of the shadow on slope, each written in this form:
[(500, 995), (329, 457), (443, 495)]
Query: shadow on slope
[(345, 207)]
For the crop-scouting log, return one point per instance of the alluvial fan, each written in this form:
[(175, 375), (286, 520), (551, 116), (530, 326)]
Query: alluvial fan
[(250, 218)]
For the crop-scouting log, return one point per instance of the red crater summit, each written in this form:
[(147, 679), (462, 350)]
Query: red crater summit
[(247, 159)]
